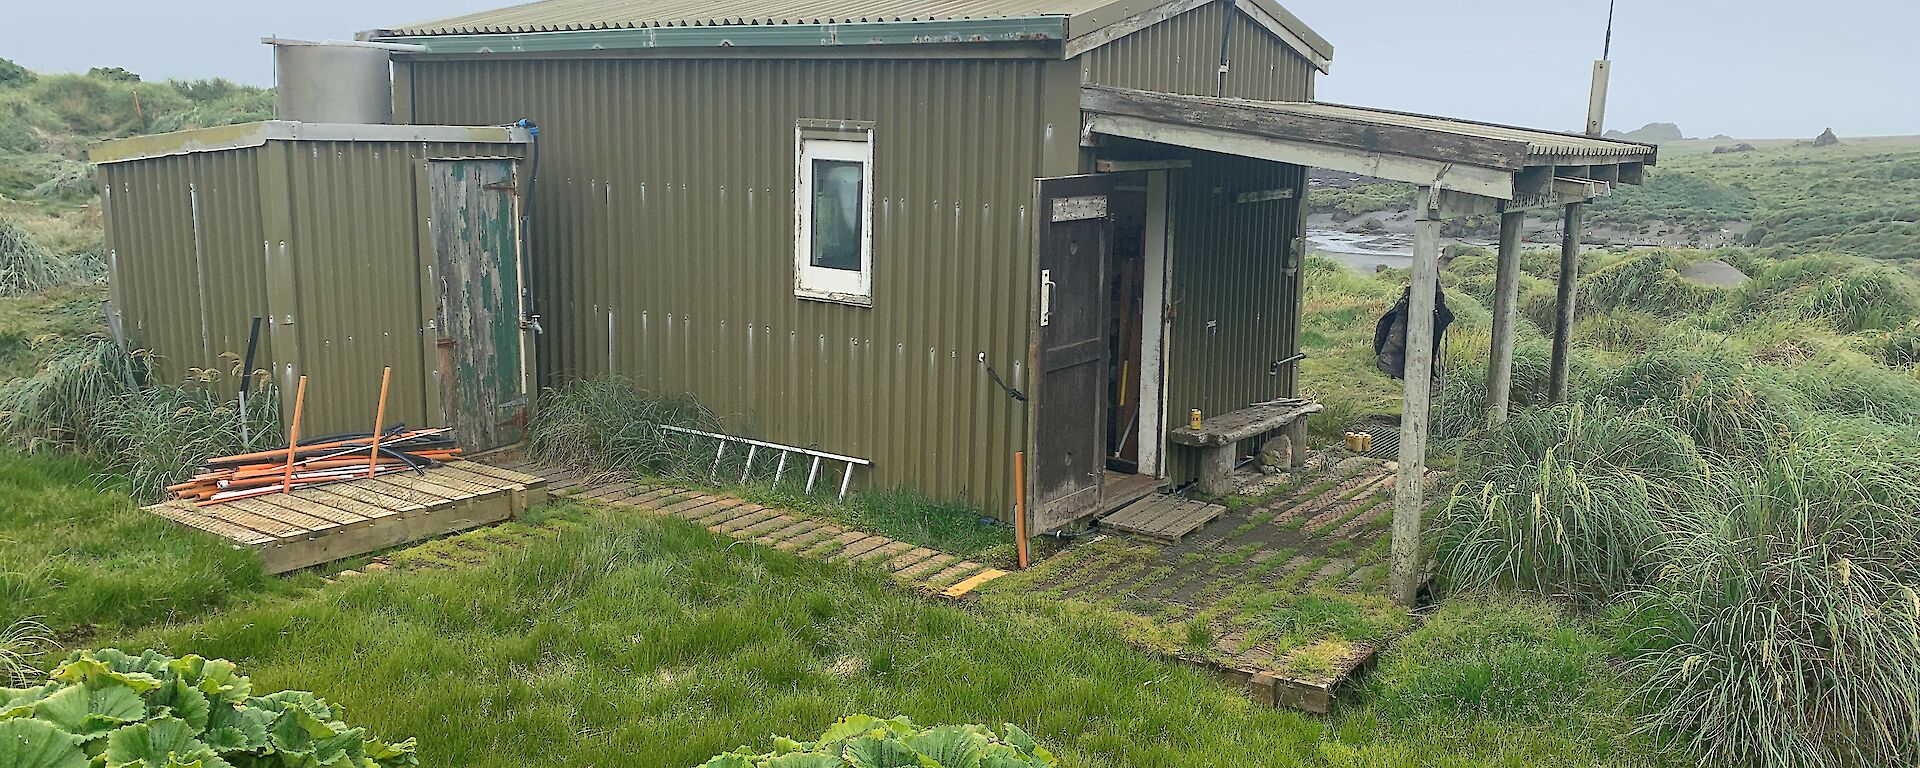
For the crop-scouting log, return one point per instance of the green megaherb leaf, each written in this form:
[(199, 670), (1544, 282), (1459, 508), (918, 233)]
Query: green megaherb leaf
[(88, 712), (166, 742), (863, 741), (118, 710), (28, 743)]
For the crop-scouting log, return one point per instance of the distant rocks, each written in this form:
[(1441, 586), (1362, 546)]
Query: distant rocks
[(1826, 139), (1740, 147), (1715, 272), (1651, 133)]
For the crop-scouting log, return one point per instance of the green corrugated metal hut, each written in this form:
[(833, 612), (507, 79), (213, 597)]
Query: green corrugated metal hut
[(321, 231), (822, 220)]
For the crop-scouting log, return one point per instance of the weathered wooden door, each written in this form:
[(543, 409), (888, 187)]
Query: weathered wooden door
[(481, 346), (1070, 388)]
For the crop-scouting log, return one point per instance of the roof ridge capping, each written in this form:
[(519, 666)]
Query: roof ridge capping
[(1081, 25)]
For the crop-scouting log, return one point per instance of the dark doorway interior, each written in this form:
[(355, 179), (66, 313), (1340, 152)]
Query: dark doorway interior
[(1126, 278)]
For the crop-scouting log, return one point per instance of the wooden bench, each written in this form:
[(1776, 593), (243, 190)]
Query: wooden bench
[(1218, 437)]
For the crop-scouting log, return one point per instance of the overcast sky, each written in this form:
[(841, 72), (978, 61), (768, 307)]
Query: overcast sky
[(1748, 68)]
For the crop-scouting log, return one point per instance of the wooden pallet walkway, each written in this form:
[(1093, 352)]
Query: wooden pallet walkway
[(931, 572), (1163, 517), (323, 523)]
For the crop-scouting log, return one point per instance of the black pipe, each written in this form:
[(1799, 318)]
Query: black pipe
[(253, 343)]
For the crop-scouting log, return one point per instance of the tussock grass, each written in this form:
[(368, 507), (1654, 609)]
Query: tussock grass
[(1649, 282), (21, 642), (611, 427), (28, 267), (1852, 294), (1571, 502), (98, 401)]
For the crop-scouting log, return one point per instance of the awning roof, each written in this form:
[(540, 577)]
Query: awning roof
[(1481, 159)]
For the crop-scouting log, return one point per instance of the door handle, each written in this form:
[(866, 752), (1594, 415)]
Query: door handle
[(1046, 297)]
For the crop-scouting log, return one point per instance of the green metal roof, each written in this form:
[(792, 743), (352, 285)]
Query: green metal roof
[(558, 25)]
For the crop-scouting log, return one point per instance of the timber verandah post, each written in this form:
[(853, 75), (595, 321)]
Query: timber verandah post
[(1404, 567), (1563, 319), (1506, 294)]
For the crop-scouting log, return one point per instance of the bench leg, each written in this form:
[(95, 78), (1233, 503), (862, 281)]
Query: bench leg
[(1216, 470), (1297, 435)]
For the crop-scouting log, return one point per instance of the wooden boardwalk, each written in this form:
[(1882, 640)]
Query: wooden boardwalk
[(1246, 594), (924, 569), (1163, 517), (323, 523)]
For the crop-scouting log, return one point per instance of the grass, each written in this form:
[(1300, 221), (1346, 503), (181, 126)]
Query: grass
[(78, 558), (650, 642)]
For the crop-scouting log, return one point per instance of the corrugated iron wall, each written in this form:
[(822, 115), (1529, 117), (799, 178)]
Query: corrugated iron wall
[(1234, 291), (358, 270), (664, 245), (184, 237), (194, 242), (1182, 55)]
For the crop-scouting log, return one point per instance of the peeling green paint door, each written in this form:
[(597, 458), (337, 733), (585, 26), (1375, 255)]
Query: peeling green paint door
[(482, 361)]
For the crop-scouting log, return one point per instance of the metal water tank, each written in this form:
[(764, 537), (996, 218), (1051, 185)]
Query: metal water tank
[(331, 82)]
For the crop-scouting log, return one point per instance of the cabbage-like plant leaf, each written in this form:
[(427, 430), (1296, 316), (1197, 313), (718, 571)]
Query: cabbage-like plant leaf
[(90, 712), (217, 678), (729, 760), (166, 742), (19, 702), (1012, 760), (27, 743), (344, 749), (803, 760), (180, 699), (150, 662), (236, 729), (1018, 738), (84, 669), (882, 752), (951, 746), (395, 754)]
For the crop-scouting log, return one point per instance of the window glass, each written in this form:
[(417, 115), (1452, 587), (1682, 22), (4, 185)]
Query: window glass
[(836, 214)]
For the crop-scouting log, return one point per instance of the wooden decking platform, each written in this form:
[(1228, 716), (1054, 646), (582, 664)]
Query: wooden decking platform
[(1163, 517), (323, 523)]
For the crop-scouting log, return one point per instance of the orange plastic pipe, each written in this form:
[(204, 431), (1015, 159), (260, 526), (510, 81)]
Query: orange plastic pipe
[(1020, 507), (293, 433), (379, 419)]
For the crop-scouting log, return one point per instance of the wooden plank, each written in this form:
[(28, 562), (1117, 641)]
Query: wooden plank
[(383, 533), (366, 493), (1254, 119), (432, 482), (266, 518), (971, 583), (312, 507), (910, 557), (929, 565), (188, 515), (734, 526), (461, 481), (1234, 426), (768, 525), (864, 546), (507, 474), (835, 545), (460, 472), (887, 552), (325, 494), (800, 527), (411, 491), (809, 539), (952, 574)]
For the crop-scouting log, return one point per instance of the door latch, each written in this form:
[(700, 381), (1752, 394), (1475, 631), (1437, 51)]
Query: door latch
[(1046, 297)]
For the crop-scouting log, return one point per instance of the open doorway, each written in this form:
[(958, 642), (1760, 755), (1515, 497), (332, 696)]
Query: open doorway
[(1136, 275)]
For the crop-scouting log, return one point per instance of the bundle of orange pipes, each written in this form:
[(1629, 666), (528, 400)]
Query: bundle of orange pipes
[(318, 460), (327, 459)]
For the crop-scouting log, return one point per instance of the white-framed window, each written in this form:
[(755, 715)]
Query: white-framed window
[(833, 212)]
